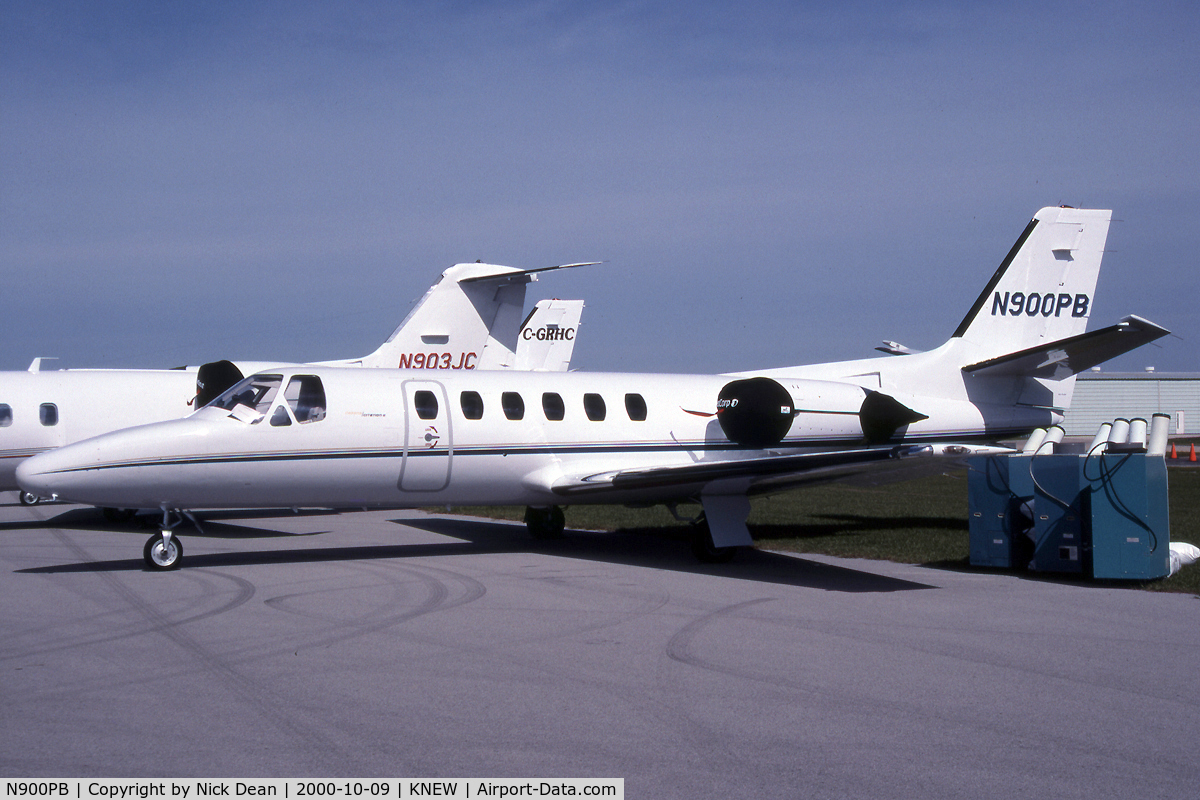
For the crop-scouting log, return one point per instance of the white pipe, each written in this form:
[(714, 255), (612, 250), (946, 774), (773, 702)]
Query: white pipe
[(1120, 432), (1137, 431), (1100, 440), (1054, 436), (1160, 427), (1034, 441)]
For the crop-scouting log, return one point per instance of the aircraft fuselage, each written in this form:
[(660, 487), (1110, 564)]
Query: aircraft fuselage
[(402, 438)]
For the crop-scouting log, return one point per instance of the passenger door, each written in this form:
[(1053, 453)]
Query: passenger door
[(428, 444)]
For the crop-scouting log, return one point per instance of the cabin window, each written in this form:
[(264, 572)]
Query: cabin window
[(552, 404), (5, 415), (593, 405), (635, 406), (255, 392), (305, 395), (472, 405), (49, 414), (513, 405), (426, 403)]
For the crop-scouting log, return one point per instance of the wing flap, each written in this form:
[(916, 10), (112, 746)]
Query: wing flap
[(704, 472)]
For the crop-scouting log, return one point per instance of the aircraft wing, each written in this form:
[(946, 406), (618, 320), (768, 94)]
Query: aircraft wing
[(1066, 357), (778, 471)]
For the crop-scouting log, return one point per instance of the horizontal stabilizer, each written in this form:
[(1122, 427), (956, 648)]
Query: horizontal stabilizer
[(1066, 357), (896, 349), (511, 274)]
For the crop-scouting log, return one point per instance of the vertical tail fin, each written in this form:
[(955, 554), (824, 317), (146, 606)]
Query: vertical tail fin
[(547, 338), (470, 319), (454, 318), (1043, 290)]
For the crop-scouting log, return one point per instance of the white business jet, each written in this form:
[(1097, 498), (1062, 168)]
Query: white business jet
[(304, 436), (470, 319)]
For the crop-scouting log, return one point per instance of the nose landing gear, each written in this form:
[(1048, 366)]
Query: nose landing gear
[(163, 550)]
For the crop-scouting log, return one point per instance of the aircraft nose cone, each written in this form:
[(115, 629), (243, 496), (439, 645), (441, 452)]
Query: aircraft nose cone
[(36, 475), (71, 472)]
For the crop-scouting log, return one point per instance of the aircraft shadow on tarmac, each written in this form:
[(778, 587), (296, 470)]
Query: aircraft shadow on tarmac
[(475, 537), (659, 549), (90, 519), (845, 524)]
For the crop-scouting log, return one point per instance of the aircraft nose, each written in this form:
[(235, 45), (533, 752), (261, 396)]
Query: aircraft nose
[(69, 472), (36, 474), (112, 469)]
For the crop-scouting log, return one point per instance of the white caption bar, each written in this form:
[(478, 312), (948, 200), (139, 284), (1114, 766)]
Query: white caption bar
[(293, 789)]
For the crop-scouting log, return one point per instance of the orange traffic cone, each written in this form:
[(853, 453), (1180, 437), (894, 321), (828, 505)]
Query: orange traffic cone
[(1192, 457), (1174, 453)]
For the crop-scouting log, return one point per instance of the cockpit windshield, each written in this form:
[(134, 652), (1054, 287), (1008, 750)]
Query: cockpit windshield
[(255, 392)]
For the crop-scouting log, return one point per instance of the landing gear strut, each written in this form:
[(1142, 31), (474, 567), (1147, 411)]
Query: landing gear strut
[(701, 538), (546, 522)]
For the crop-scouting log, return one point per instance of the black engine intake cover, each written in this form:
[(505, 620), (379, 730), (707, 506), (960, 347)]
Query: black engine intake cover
[(214, 378), (755, 412)]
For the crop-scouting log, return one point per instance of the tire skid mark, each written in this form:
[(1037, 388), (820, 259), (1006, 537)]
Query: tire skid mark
[(344, 630), (246, 591), (438, 598), (706, 740), (268, 705), (679, 647), (472, 589), (648, 604), (286, 604)]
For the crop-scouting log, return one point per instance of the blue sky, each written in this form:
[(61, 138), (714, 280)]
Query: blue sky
[(768, 183)]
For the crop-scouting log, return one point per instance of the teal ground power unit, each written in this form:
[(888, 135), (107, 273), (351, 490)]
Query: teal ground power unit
[(999, 491), (1128, 517), (1104, 515), (1059, 516)]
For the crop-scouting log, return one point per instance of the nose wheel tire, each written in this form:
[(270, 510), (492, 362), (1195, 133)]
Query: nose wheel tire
[(29, 499), (163, 555)]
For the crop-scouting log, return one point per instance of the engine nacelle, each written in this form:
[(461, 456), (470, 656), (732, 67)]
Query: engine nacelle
[(882, 415), (755, 412), (758, 412)]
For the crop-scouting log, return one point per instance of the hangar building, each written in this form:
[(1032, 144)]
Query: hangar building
[(1104, 396)]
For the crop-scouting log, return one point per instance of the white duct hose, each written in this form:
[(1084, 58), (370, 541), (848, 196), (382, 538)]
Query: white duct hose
[(1137, 431), (1034, 441), (1160, 427), (1100, 440), (1054, 436)]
